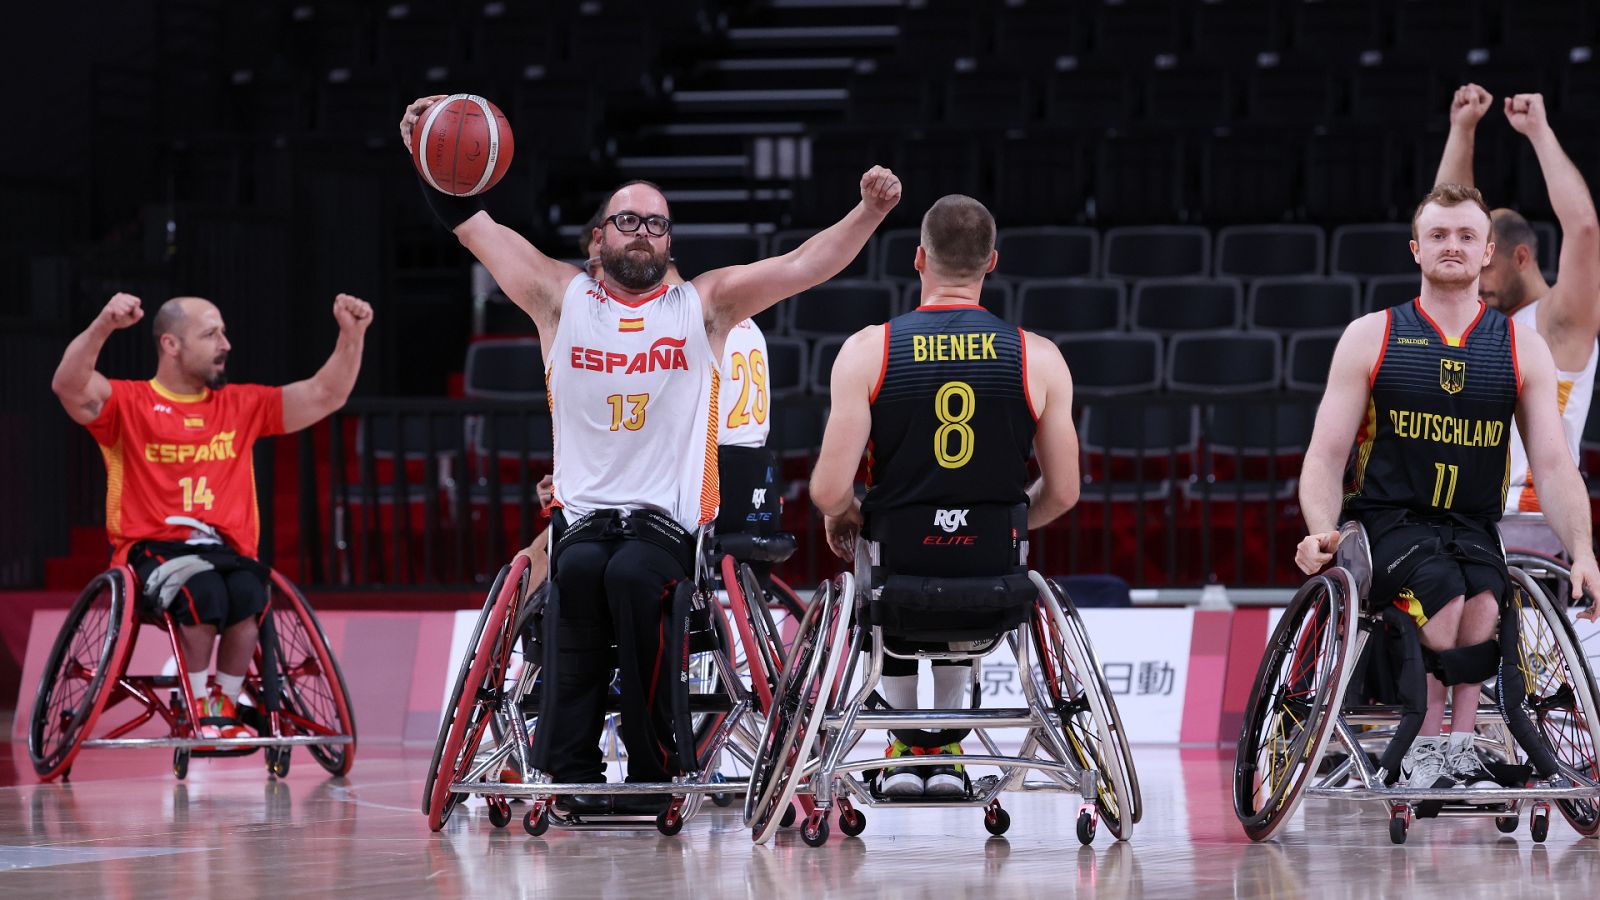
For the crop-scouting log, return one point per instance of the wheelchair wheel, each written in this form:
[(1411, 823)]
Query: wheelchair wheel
[(1069, 678), (315, 698), (763, 652), (475, 698), (1294, 703), (1549, 573), (799, 706), (1558, 691), (81, 672), (787, 598)]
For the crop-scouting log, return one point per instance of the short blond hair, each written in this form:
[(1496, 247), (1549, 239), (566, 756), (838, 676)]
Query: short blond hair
[(1450, 194)]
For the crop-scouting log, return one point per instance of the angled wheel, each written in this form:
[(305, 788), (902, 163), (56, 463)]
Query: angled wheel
[(81, 672), (1293, 705), (798, 706), (763, 653), (475, 697), (1068, 678), (1551, 676), (315, 700)]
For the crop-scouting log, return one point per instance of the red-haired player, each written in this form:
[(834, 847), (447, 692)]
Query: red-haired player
[(181, 491)]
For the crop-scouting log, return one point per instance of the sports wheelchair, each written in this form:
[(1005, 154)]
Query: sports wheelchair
[(295, 695), (1537, 718), (735, 653), (1073, 737)]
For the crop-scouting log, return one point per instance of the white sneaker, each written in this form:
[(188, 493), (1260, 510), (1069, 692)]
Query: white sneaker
[(1466, 766), (1425, 765), (901, 783)]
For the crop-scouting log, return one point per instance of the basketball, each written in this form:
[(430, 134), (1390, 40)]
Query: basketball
[(462, 145)]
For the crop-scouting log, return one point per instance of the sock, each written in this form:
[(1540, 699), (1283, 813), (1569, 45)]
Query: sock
[(197, 683), (230, 685), (952, 686), (899, 690)]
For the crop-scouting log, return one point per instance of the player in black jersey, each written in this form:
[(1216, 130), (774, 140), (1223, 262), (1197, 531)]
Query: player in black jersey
[(1427, 392), (951, 399)]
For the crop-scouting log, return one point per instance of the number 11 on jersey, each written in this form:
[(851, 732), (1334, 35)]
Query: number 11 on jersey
[(1440, 470)]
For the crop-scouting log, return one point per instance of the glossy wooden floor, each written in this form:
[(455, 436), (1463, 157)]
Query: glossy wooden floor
[(125, 828)]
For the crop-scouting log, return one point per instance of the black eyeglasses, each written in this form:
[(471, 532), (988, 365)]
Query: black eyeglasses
[(628, 223)]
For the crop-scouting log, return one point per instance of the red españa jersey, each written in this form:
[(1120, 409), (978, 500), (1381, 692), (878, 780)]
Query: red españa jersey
[(189, 455)]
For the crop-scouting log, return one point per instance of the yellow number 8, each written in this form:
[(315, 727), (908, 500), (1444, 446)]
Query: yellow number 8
[(952, 422)]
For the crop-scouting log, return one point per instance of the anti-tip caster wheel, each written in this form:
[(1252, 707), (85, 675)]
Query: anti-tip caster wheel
[(1539, 825), (789, 815), (815, 830), (997, 821), (536, 822), (1397, 830), (499, 812), (1086, 827), (180, 763), (852, 822), (670, 821), (278, 762), (1506, 824)]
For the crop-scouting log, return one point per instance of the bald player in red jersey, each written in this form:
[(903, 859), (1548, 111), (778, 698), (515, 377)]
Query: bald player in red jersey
[(180, 483)]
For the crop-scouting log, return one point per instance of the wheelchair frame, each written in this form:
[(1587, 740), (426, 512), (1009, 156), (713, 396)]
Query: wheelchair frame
[(283, 693), (497, 715), (1364, 729), (827, 651)]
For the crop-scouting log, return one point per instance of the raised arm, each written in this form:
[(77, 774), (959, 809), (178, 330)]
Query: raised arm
[(736, 293), (308, 402), (1561, 489), (530, 279), (1343, 404), (1575, 297), (833, 481), (1466, 110), (82, 390), (1055, 440)]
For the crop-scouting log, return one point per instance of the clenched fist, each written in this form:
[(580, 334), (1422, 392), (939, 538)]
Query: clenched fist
[(352, 313), (1470, 104), (121, 311), (880, 190), (413, 113), (1316, 551), (1525, 112)]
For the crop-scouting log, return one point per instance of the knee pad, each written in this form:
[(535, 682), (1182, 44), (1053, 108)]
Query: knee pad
[(1464, 665)]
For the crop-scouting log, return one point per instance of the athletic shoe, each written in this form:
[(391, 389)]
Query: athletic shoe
[(219, 718), (1467, 767), (1425, 766), (946, 782), (899, 782)]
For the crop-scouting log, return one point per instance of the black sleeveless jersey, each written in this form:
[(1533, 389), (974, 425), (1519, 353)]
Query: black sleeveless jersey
[(1437, 435), (951, 421)]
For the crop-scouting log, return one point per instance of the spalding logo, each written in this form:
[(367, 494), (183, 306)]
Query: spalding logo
[(665, 353)]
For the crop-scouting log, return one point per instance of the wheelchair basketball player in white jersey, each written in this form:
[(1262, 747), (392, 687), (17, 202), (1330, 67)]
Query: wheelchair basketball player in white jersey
[(633, 379)]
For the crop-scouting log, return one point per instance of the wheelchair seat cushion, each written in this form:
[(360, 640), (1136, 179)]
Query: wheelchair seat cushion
[(918, 608)]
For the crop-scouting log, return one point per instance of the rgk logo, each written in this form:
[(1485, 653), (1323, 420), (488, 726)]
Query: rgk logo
[(758, 497), (950, 519)]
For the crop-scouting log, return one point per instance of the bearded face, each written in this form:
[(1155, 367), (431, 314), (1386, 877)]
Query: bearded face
[(633, 261)]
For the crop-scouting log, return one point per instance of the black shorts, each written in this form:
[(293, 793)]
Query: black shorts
[(1420, 565), (232, 592)]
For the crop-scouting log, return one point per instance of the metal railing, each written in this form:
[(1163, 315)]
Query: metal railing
[(1178, 491)]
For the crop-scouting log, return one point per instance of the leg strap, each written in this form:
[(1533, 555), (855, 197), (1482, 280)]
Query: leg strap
[(1405, 653), (1464, 665)]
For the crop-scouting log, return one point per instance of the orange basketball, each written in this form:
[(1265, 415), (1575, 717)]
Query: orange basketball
[(462, 145)]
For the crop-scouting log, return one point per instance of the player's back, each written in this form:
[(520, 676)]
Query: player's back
[(951, 420)]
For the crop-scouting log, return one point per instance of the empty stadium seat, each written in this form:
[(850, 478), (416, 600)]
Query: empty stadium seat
[(1335, 31), (823, 352), (1309, 358), (1350, 174), (1223, 363), (1249, 175), (1058, 306), (697, 254), (897, 253), (863, 266), (1366, 251), (1156, 251), (1188, 96), (1090, 97), (987, 97), (788, 367), (1040, 177), (1111, 364), (841, 308), (1384, 291), (1262, 251), (1280, 94), (1287, 305), (1048, 252), (505, 369), (1139, 178), (1172, 305)]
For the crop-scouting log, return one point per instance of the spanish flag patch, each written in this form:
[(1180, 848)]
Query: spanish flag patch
[(630, 324), (194, 423)]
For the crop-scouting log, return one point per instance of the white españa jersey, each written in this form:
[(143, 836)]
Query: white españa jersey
[(633, 403), (744, 400), (1573, 392)]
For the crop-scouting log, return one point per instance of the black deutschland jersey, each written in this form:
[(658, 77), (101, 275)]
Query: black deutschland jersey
[(1436, 439), (951, 422)]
